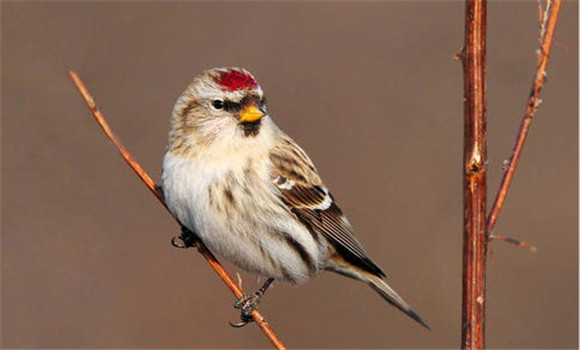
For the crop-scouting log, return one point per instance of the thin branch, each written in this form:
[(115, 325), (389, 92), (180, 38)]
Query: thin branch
[(518, 243), (474, 184), (547, 29), (156, 190)]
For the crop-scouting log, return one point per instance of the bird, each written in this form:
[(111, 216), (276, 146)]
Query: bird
[(245, 188)]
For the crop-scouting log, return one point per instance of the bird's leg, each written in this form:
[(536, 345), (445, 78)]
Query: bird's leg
[(248, 303), (186, 239)]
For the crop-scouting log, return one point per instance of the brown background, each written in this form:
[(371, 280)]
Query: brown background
[(370, 90)]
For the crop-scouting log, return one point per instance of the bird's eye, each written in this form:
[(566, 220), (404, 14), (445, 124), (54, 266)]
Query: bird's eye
[(217, 104)]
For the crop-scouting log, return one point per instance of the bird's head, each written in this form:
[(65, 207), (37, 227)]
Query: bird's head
[(220, 104)]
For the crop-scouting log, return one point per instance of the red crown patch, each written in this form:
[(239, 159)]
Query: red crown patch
[(233, 80)]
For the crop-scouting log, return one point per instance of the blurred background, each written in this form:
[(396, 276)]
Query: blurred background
[(371, 92)]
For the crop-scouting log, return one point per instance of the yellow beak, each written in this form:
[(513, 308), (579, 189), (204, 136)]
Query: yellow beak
[(251, 113)]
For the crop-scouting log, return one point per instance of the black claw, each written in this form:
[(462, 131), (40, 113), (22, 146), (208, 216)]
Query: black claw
[(178, 244), (247, 307), (186, 239), (238, 325)]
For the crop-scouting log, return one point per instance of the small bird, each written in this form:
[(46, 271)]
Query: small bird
[(252, 195)]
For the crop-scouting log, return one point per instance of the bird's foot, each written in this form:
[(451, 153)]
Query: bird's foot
[(247, 304), (186, 239)]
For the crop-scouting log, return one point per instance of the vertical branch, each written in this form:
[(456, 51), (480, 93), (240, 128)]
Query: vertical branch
[(476, 230), (474, 183)]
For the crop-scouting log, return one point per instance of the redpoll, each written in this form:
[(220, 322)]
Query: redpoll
[(252, 195)]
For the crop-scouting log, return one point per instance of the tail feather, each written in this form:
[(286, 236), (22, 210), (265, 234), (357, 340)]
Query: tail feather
[(339, 265), (393, 298)]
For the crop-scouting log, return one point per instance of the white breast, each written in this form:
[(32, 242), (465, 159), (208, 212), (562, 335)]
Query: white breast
[(248, 228)]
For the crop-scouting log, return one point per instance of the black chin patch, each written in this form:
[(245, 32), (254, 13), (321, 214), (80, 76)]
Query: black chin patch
[(251, 128)]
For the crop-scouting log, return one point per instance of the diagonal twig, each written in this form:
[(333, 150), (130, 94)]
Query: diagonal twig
[(547, 29), (142, 174)]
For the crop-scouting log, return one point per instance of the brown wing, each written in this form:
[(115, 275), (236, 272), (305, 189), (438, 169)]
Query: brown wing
[(304, 193)]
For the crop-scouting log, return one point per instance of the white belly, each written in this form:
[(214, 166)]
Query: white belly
[(249, 225)]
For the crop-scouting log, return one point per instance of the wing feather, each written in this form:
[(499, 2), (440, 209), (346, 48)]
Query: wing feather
[(302, 190)]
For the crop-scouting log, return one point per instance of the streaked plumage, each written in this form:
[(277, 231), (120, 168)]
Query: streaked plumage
[(251, 193)]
